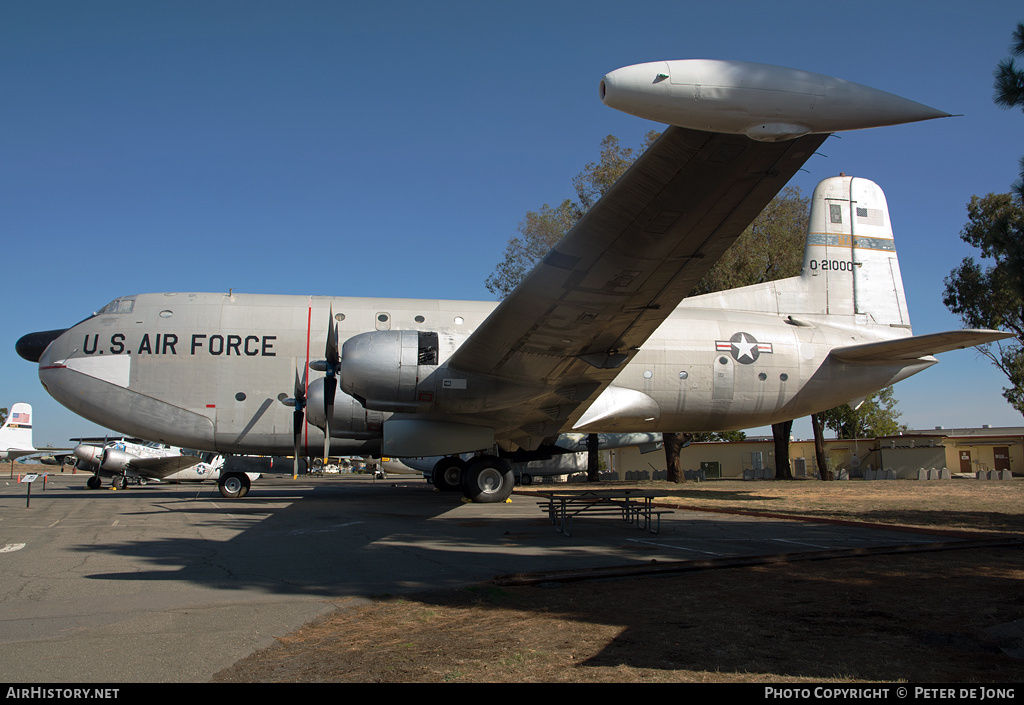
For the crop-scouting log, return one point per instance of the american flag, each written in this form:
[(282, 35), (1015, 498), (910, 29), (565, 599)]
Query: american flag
[(19, 417)]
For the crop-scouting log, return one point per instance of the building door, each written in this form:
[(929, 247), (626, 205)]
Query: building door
[(965, 461), (1002, 457)]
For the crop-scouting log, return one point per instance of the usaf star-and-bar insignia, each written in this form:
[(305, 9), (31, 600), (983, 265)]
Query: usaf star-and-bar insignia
[(744, 347)]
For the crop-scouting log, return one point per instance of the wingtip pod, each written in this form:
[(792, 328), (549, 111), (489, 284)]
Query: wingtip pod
[(766, 103)]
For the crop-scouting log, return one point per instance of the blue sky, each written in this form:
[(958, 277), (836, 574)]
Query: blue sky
[(391, 149)]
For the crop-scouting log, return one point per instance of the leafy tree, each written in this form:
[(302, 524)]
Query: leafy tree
[(719, 437), (770, 248), (876, 416), (1009, 87), (3, 415), (540, 230), (990, 294)]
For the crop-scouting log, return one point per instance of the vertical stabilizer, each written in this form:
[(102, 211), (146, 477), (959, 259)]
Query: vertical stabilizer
[(16, 433), (850, 269), (851, 255)]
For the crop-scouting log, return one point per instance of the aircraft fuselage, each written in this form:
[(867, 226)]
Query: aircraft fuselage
[(212, 371)]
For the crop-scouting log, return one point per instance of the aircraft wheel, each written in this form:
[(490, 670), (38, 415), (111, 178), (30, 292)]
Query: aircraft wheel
[(121, 483), (526, 479), (447, 473), (487, 479), (234, 485), (93, 483)]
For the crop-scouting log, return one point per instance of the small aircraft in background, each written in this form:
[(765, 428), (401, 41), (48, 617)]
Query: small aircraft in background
[(16, 433), (127, 460), (16, 438)]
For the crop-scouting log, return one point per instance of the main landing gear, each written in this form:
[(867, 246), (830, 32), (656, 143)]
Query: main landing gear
[(484, 478), (118, 482), (234, 485)]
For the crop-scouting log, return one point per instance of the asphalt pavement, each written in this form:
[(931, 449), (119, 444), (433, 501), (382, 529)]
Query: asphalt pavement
[(172, 583)]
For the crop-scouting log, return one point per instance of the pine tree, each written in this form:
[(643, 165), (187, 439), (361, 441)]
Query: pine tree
[(1009, 87)]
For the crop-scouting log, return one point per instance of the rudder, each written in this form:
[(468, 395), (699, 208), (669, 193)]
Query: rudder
[(850, 255)]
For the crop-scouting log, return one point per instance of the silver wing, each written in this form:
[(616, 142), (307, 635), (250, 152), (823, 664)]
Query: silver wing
[(584, 311)]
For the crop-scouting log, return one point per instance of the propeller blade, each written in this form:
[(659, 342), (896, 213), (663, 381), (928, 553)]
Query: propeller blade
[(298, 418), (330, 386), (333, 358), (332, 354)]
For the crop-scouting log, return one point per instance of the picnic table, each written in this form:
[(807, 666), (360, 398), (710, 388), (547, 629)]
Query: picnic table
[(632, 506)]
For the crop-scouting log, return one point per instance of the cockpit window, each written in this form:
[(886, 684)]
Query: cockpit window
[(118, 306)]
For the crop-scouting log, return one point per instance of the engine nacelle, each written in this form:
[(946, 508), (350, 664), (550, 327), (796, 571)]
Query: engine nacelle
[(350, 420), (387, 370), (88, 455), (115, 460)]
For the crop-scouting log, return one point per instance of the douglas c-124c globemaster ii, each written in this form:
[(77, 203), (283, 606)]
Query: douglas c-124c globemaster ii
[(596, 338)]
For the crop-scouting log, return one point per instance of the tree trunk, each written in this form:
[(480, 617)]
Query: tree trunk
[(674, 443), (781, 433), (593, 471), (819, 448)]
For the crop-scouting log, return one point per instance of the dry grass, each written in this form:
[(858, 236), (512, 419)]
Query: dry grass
[(954, 505), (913, 618)]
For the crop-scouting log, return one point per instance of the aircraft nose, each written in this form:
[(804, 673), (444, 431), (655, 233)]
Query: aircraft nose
[(32, 345)]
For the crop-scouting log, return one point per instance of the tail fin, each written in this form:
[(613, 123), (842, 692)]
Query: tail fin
[(16, 433), (850, 263), (850, 267)]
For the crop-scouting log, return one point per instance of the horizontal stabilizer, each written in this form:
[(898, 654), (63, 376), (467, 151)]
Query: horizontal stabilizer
[(917, 346)]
